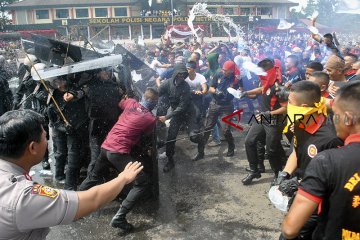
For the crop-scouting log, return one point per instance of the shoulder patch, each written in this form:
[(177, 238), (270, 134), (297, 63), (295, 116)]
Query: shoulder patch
[(45, 191), (312, 150)]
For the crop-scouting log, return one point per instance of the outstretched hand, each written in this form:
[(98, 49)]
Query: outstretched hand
[(131, 170)]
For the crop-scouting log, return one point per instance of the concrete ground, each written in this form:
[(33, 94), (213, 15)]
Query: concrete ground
[(198, 200)]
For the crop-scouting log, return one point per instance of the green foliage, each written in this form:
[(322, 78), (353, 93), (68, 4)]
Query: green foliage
[(4, 17)]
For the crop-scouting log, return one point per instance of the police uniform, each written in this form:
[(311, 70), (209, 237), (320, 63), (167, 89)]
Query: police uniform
[(308, 141), (28, 209), (313, 139), (332, 179)]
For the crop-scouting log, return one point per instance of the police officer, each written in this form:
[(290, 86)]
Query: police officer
[(32, 208), (103, 95), (331, 179), (312, 134), (70, 138), (6, 97), (178, 92)]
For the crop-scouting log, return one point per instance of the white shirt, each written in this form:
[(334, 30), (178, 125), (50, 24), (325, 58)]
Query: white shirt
[(195, 85)]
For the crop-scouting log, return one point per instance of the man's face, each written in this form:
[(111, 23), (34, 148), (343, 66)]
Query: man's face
[(190, 70), (334, 73), (327, 41), (289, 64), (180, 77), (294, 99), (193, 57), (348, 62), (340, 121), (104, 75), (227, 72), (308, 72)]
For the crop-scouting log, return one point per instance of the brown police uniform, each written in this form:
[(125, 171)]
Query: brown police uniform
[(28, 209), (332, 179)]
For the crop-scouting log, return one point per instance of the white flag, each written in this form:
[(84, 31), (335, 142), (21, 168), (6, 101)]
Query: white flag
[(283, 24)]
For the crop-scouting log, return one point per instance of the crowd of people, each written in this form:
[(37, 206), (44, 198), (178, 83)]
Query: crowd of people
[(303, 87)]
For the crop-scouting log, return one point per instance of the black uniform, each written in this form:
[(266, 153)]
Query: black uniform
[(270, 128), (307, 143), (71, 140), (221, 105), (26, 87), (182, 111), (102, 100), (332, 179), (6, 97)]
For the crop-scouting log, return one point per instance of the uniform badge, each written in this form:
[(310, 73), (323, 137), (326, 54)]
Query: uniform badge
[(45, 191), (312, 150), (268, 92)]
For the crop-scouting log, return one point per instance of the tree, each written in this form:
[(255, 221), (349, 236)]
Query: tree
[(4, 16)]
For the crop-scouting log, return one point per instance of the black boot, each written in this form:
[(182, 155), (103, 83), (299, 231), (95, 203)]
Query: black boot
[(169, 165), (198, 157), (231, 145), (119, 221), (261, 166), (253, 173)]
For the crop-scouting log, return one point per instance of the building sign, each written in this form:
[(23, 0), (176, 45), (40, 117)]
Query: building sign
[(141, 20)]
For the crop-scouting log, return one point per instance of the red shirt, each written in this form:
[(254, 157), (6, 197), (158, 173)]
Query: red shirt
[(135, 121)]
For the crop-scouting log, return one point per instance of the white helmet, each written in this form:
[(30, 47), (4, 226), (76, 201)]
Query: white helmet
[(38, 67), (30, 62)]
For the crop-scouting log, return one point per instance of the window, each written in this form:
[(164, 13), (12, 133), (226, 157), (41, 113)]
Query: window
[(82, 13), (120, 12), (212, 10), (62, 13), (101, 12), (264, 11), (245, 11), (229, 11), (42, 14)]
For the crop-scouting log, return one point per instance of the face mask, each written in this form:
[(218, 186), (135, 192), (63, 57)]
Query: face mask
[(149, 105), (295, 113)]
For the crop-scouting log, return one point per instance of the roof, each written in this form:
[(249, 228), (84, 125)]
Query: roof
[(244, 2), (25, 4)]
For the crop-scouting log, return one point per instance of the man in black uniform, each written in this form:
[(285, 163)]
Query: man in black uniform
[(178, 92), (269, 124), (332, 179), (222, 102), (103, 95), (313, 134), (6, 97), (69, 139)]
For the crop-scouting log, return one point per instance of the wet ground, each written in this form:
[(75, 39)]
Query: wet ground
[(198, 200)]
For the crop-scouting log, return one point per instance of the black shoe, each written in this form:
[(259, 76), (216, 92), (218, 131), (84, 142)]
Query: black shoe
[(198, 157), (252, 175), (230, 153), (260, 167), (122, 224), (45, 165), (168, 166)]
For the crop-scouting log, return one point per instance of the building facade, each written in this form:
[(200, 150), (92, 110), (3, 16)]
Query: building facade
[(127, 19)]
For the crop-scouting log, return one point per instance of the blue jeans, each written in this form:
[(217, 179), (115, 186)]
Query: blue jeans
[(216, 132)]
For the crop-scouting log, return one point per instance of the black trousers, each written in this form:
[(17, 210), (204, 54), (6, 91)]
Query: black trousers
[(216, 111), (69, 148), (272, 135), (107, 160), (193, 123), (98, 130)]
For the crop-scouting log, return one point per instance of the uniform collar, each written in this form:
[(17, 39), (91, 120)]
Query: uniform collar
[(353, 138), (11, 167), (313, 128)]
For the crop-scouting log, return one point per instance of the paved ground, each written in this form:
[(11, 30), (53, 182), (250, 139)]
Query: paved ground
[(202, 200)]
